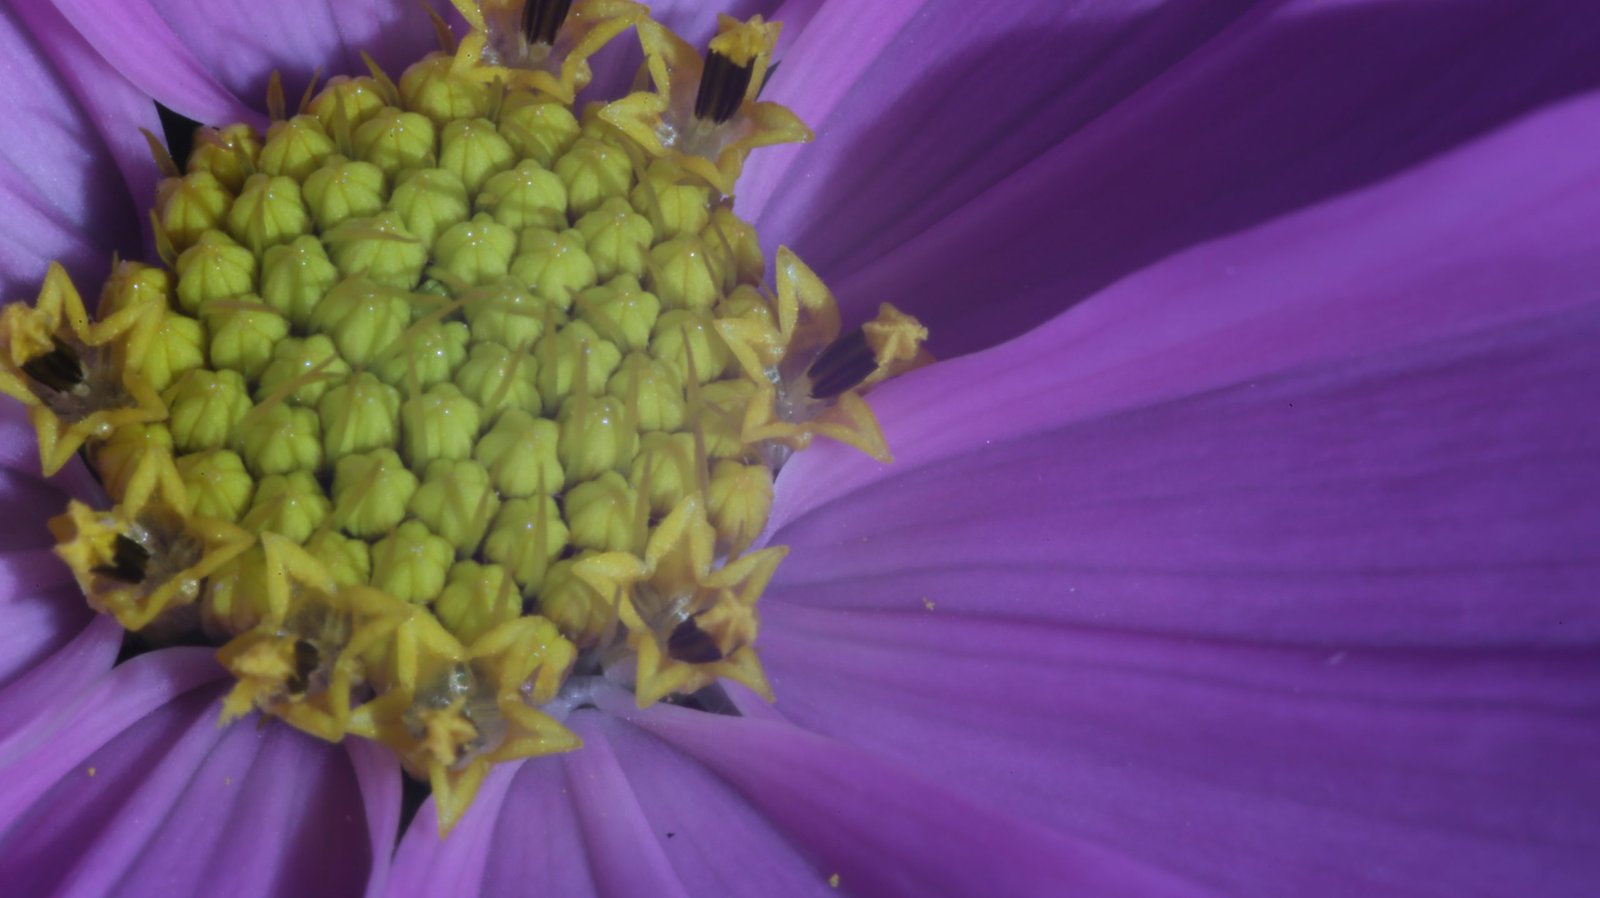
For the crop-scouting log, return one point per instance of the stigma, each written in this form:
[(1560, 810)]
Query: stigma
[(446, 395)]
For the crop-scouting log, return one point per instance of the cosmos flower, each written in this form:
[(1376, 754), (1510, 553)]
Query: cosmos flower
[(1243, 542)]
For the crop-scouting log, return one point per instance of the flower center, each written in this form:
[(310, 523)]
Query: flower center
[(444, 390)]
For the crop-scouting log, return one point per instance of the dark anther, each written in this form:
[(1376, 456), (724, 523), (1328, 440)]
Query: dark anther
[(128, 560), (722, 86), (306, 659), (843, 364), (541, 19), (58, 369), (692, 645)]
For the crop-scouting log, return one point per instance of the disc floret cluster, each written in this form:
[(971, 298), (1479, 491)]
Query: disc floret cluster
[(448, 390)]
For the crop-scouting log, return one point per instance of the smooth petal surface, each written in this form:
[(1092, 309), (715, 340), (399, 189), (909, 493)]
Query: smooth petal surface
[(42, 613), (240, 42), (986, 172), (167, 803), (71, 124), (883, 828), (133, 37), (1273, 564)]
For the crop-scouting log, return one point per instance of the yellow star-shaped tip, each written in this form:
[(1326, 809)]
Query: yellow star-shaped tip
[(665, 122), (124, 559), (499, 49), (88, 361)]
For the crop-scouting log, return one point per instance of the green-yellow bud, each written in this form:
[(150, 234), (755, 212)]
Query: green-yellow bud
[(537, 128), (313, 364), (603, 515), (440, 423), (291, 505), (370, 492), (497, 379), (429, 202), (527, 535), (680, 274), (664, 469), (475, 151), (295, 276), (519, 453), (243, 334), (359, 414), (395, 141), (204, 407), (280, 438), (295, 148), (380, 249), (410, 563), (476, 599), (189, 206), (528, 196), (363, 319), (457, 502), (343, 189), (268, 211), (651, 391), (620, 311), (477, 251), (217, 483), (597, 435), (553, 264), (594, 172), (424, 356), (687, 340), (214, 268), (617, 238)]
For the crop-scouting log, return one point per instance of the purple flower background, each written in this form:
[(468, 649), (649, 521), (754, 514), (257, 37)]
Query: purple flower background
[(1245, 542)]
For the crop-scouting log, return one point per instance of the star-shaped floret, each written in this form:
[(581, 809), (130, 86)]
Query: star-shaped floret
[(815, 388), (544, 45), (150, 553), (74, 373), (451, 713), (704, 113), (293, 664), (689, 624)]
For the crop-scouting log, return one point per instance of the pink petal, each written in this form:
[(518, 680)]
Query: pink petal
[(58, 171), (133, 37), (989, 196), (883, 828), (173, 804)]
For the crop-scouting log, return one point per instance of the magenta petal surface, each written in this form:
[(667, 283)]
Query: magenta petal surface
[(987, 216), (884, 828), (139, 43), (1272, 565), (59, 181), (167, 803), (241, 42)]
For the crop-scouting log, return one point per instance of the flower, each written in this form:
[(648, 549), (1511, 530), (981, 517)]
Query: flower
[(1243, 543)]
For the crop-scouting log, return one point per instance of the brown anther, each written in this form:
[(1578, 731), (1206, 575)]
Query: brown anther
[(129, 562), (59, 369), (841, 365), (692, 645), (723, 83), (541, 19)]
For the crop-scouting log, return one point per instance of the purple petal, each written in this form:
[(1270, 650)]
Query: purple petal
[(1254, 770), (1496, 234), (36, 696), (926, 190), (58, 171), (132, 36), (241, 42), (173, 804), (883, 829), (378, 775), (1273, 564), (717, 843)]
